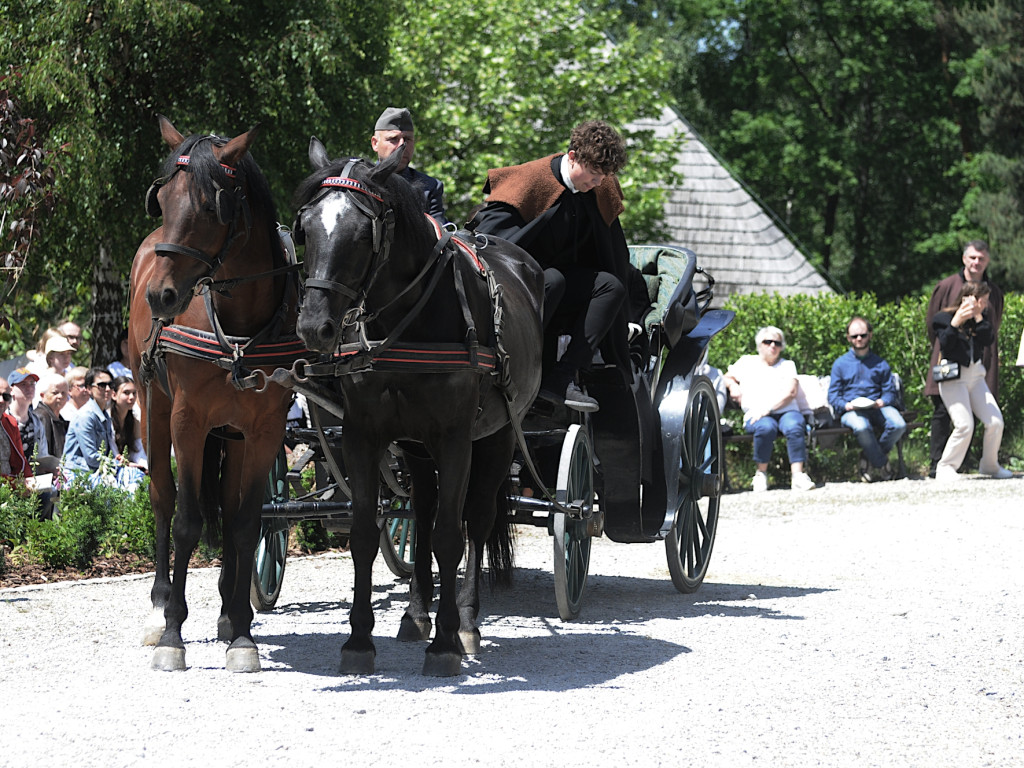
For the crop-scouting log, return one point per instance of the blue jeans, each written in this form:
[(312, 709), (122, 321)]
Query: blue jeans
[(864, 423), (767, 428)]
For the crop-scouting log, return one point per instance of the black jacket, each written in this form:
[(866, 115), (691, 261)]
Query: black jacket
[(966, 344)]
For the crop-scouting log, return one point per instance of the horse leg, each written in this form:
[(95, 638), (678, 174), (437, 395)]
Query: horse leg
[(162, 495), (452, 457), (246, 467), (492, 456), (362, 459), (416, 623), (212, 500), (169, 654)]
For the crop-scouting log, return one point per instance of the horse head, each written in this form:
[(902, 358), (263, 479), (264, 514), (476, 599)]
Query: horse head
[(202, 198), (347, 224)]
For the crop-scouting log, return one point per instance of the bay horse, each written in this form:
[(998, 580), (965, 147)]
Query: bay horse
[(439, 349), (218, 239)]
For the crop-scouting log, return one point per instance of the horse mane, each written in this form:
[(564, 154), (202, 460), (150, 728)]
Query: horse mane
[(206, 170), (398, 194)]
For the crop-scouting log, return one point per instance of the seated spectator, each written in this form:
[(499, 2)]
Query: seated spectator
[(91, 434), (12, 457), (23, 391), (53, 394), (127, 429), (963, 331), (37, 355), (120, 367), (862, 393), (57, 353), (78, 393), (72, 332), (765, 387)]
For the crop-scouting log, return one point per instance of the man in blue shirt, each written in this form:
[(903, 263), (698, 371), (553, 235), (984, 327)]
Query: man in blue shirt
[(863, 394)]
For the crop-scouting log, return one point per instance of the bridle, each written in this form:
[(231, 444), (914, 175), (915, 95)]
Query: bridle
[(382, 219), (230, 206)]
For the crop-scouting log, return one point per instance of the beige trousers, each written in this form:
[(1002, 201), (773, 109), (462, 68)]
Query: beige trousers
[(965, 398)]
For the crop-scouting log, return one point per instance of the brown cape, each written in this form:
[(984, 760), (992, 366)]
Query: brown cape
[(531, 189)]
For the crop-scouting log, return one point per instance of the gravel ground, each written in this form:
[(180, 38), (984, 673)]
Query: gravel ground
[(855, 625)]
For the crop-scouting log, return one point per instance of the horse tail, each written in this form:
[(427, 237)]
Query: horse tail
[(501, 541), (209, 492)]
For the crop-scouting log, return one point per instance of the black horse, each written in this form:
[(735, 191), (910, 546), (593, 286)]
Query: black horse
[(440, 348)]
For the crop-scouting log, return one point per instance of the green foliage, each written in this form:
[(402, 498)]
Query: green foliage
[(16, 509), (74, 539), (500, 83)]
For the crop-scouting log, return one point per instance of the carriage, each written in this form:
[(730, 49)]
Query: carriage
[(646, 467), (443, 447)]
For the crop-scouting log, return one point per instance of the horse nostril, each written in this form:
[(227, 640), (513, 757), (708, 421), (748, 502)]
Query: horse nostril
[(169, 297), (326, 332)]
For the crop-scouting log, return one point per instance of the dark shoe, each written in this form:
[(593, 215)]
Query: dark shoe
[(573, 398)]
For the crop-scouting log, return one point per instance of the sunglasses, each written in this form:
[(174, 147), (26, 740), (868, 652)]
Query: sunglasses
[(7, 396), (103, 384), (771, 342), (859, 335)]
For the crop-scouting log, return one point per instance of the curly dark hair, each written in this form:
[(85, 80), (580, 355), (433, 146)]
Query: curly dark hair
[(598, 146)]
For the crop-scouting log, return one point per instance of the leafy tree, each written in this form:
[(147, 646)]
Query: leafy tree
[(499, 83), (27, 174), (96, 73), (993, 75)]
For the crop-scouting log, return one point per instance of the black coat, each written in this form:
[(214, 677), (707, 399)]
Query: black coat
[(957, 344)]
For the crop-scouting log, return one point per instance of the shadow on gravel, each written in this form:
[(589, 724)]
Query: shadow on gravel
[(551, 655), (542, 662)]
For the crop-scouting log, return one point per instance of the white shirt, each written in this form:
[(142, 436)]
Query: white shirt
[(763, 385)]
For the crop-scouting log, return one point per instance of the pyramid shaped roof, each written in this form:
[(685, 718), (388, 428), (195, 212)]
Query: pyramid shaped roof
[(711, 213)]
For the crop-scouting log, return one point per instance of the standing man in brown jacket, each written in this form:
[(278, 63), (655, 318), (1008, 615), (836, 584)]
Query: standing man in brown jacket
[(947, 292)]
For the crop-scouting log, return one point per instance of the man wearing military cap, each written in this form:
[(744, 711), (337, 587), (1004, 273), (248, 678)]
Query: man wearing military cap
[(394, 126)]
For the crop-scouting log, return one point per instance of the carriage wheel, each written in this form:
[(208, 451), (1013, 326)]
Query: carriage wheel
[(398, 545), (689, 542), (272, 549), (572, 538)]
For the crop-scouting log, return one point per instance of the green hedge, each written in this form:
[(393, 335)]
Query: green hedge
[(815, 328)]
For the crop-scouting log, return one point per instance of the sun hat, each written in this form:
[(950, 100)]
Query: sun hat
[(58, 344)]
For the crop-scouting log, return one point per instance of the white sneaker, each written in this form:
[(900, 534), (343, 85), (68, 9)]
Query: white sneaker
[(946, 475), (801, 482), (760, 482), (1001, 473)]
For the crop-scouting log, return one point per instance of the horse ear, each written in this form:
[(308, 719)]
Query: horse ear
[(382, 170), (235, 149), (317, 154), (171, 134)]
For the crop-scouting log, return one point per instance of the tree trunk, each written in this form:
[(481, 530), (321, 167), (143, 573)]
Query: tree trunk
[(107, 310)]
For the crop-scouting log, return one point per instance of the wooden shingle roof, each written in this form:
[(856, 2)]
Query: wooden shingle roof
[(712, 214)]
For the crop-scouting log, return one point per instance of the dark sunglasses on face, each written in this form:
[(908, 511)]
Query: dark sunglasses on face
[(103, 384), (771, 342), (7, 396), (858, 335)]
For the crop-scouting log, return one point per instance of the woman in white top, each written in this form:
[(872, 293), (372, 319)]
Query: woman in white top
[(765, 386)]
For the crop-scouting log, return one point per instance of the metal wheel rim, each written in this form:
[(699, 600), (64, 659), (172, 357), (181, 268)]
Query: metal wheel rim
[(398, 545), (571, 540), (691, 540), (269, 563)]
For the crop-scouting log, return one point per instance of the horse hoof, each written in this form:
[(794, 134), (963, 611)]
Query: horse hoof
[(224, 629), (442, 664), (243, 656), (470, 642), (154, 627), (357, 662), (168, 659), (414, 630)]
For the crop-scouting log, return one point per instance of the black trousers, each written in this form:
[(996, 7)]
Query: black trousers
[(585, 303)]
